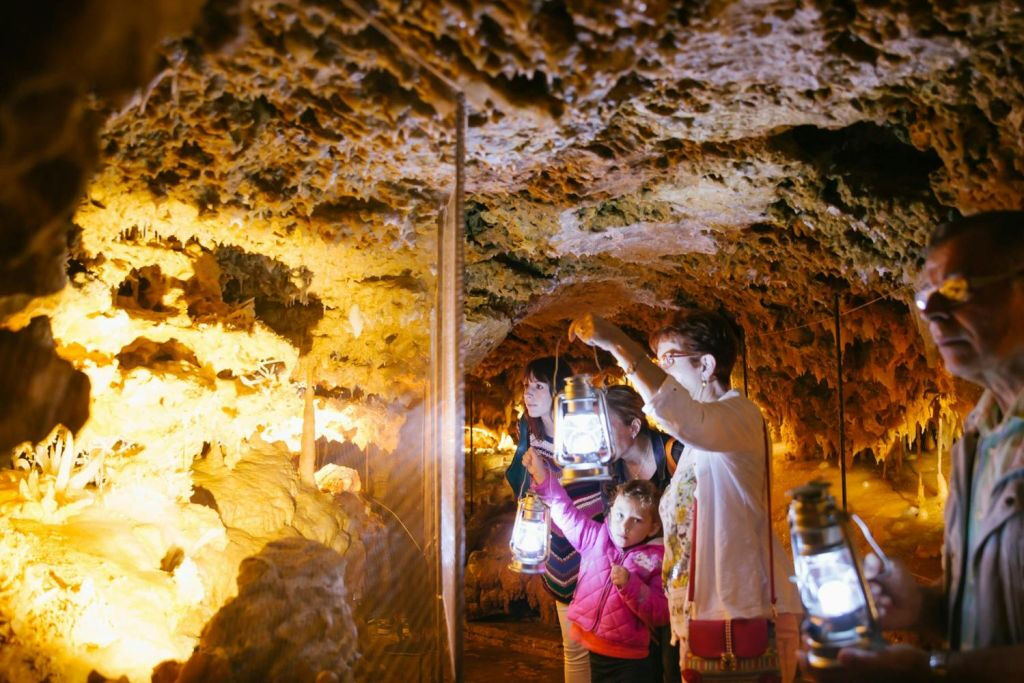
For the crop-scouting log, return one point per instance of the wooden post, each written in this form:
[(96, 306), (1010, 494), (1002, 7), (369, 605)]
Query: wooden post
[(450, 412)]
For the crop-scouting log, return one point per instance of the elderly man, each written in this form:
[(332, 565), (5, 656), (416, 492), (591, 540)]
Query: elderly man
[(972, 298)]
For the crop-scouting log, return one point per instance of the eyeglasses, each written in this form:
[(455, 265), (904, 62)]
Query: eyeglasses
[(956, 290), (670, 357)]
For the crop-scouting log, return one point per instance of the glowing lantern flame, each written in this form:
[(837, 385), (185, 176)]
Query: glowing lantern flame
[(583, 444)]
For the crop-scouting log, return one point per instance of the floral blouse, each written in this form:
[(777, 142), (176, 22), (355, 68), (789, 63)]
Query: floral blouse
[(676, 511)]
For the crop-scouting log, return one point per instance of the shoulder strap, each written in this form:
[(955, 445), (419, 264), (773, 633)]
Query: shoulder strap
[(693, 557), (768, 495)]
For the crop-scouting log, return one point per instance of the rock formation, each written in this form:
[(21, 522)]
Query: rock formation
[(289, 622)]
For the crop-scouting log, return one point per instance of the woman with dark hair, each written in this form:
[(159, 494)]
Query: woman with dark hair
[(641, 452), (542, 379), (536, 425), (688, 391)]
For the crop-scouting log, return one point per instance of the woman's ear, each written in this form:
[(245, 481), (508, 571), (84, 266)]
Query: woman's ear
[(707, 367), (634, 427)]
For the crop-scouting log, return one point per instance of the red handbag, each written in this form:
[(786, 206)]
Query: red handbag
[(733, 649)]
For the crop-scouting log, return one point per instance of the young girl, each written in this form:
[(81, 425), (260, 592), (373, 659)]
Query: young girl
[(618, 598)]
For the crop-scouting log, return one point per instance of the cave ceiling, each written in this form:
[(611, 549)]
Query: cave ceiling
[(630, 158)]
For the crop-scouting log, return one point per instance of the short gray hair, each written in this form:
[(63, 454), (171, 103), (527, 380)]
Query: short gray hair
[(1004, 228)]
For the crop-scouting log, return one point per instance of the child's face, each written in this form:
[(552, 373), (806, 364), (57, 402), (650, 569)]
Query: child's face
[(628, 523)]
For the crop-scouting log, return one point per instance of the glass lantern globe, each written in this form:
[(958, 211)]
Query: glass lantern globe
[(531, 536), (583, 444), (835, 594)]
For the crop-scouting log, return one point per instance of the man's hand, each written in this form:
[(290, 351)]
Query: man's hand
[(896, 593), (620, 576), (894, 664), (535, 465), (897, 663)]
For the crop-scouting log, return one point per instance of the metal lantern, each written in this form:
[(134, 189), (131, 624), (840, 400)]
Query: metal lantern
[(583, 443), (834, 592), (531, 536)]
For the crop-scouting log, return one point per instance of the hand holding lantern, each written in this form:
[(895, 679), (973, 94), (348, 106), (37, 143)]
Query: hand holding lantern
[(583, 444), (531, 535), (840, 609)]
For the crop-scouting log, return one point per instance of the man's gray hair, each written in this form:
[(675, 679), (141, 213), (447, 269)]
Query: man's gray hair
[(1005, 229)]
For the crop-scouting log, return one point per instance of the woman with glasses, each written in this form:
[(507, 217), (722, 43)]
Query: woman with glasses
[(722, 467)]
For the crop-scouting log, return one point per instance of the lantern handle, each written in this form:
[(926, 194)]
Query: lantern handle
[(886, 562)]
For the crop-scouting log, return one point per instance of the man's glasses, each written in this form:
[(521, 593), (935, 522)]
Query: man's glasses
[(669, 358), (956, 290)]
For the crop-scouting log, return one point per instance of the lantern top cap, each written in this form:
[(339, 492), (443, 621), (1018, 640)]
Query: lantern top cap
[(812, 492), (532, 501), (579, 386)]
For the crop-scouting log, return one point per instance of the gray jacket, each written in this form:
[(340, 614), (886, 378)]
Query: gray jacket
[(998, 559)]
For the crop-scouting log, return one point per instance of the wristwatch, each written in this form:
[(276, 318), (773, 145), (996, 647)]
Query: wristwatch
[(938, 664)]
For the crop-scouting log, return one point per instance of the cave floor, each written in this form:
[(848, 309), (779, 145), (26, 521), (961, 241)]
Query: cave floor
[(510, 650), (907, 527)]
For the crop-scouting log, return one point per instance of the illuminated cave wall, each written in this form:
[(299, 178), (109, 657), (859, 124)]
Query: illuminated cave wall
[(170, 318), (193, 223)]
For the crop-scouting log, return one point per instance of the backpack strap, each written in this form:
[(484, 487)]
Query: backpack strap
[(670, 459)]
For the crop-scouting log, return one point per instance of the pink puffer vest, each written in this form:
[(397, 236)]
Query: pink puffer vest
[(620, 618)]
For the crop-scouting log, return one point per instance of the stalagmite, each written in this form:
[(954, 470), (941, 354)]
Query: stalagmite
[(64, 451), (940, 479), (307, 456)]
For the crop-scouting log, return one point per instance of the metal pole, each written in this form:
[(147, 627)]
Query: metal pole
[(839, 399), (746, 391)]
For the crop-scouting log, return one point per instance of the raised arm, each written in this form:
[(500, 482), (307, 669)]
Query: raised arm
[(596, 331), (718, 426), (725, 426), (579, 529)]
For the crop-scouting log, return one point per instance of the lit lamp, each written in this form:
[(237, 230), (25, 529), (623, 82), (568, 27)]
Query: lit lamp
[(583, 444), (834, 592), (531, 536)]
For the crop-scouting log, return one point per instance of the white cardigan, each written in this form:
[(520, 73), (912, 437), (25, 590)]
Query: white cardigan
[(725, 441)]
